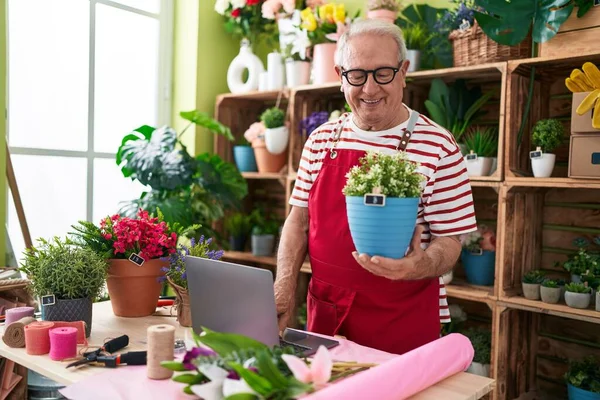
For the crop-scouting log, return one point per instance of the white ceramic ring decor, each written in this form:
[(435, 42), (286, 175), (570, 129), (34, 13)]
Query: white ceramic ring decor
[(276, 139), (244, 60)]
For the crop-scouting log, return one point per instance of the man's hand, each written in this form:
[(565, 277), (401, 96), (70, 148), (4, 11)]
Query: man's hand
[(415, 265), (284, 302)]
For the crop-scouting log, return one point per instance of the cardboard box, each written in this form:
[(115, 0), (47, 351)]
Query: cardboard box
[(581, 123), (584, 156)]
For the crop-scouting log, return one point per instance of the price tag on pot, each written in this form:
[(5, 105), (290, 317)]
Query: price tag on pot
[(48, 300), (136, 259), (477, 252), (465, 25), (537, 153), (471, 157), (373, 199)]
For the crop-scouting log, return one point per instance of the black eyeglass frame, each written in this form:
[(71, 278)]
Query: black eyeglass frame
[(372, 72)]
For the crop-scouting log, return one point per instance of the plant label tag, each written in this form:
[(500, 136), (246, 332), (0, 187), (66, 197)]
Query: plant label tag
[(48, 300), (376, 200), (465, 25), (477, 252), (471, 157), (136, 259), (596, 159), (535, 154)]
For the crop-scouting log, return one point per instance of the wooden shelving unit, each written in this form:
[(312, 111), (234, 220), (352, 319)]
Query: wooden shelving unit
[(535, 219)]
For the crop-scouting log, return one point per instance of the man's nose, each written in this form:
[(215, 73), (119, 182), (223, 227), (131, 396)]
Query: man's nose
[(370, 85)]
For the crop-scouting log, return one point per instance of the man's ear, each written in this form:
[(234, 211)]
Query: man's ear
[(404, 66), (338, 71)]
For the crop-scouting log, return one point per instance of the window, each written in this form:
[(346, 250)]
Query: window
[(81, 75)]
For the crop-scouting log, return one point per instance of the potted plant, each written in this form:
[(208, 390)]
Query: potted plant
[(478, 256), (175, 274), (531, 284), (135, 248), (265, 160), (482, 344), (264, 231), (577, 295), (583, 379), (385, 10), (243, 156), (276, 133), (67, 277), (416, 37), (550, 291), (382, 197), (238, 226), (580, 264), (482, 148), (547, 135)]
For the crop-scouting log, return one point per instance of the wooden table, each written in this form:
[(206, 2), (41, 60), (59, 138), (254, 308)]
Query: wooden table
[(105, 325)]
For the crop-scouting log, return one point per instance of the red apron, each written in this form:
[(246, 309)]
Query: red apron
[(344, 298)]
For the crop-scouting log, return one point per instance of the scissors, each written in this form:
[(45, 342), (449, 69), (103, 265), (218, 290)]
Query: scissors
[(113, 345)]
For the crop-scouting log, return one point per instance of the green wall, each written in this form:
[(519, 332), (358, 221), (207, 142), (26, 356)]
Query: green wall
[(3, 93)]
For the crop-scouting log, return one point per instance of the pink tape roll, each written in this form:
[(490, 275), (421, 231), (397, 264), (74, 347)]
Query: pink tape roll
[(63, 343), (15, 314), (37, 339)]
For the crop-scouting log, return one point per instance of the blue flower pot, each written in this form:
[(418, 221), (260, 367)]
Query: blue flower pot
[(479, 268), (576, 393), (244, 158), (383, 231)]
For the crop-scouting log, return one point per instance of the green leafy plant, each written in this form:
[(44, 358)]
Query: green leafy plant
[(416, 37), (549, 283), (263, 224), (481, 339), (189, 190), (548, 134), (577, 288), (238, 224), (482, 141), (534, 277), (457, 107), (273, 117), (65, 270), (581, 262), (394, 175), (584, 374)]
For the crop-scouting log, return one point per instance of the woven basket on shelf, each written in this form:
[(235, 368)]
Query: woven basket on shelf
[(473, 47)]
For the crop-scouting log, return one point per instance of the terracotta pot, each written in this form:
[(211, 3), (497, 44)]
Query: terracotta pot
[(384, 15), (134, 290), (268, 162), (184, 312)]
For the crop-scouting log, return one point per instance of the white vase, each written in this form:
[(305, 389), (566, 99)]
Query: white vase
[(297, 73), (479, 167), (246, 59), (275, 71), (542, 167), (276, 139), (479, 369), (263, 81), (414, 56)]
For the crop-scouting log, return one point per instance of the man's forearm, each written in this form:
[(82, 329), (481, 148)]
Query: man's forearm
[(291, 254), (443, 252)]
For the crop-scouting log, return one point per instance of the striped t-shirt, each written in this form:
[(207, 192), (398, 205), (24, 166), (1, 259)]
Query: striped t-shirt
[(446, 204)]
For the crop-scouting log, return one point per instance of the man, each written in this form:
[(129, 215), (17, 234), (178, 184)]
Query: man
[(393, 305)]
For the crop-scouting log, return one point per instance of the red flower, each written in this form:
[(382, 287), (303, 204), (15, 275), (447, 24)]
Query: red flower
[(252, 2), (236, 13)]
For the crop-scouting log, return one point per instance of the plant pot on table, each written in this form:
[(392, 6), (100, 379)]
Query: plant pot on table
[(182, 303), (70, 310), (479, 266)]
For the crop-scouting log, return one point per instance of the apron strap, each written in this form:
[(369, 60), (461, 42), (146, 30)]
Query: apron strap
[(410, 127)]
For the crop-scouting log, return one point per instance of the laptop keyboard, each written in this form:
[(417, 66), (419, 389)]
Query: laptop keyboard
[(297, 347)]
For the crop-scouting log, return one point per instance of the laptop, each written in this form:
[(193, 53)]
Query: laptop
[(233, 298)]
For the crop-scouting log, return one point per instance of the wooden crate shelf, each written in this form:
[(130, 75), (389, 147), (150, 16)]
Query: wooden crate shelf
[(560, 310), (553, 182), (460, 289), (263, 175), (245, 258)]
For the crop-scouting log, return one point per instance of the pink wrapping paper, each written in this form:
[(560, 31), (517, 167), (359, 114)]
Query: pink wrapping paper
[(405, 375)]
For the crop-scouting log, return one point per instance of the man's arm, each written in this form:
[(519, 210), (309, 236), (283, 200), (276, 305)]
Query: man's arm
[(293, 247)]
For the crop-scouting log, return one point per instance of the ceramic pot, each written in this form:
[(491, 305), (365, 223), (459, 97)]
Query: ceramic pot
[(479, 167), (384, 15), (266, 161), (182, 304), (494, 166), (262, 245), (297, 73), (244, 158), (543, 167), (531, 291), (479, 268), (578, 300), (276, 139), (70, 310), (382, 230), (324, 63), (479, 369), (237, 243), (414, 56), (275, 71), (134, 290), (576, 393), (245, 60), (550, 295)]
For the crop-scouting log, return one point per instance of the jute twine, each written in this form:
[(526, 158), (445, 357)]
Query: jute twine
[(161, 340), (14, 334)]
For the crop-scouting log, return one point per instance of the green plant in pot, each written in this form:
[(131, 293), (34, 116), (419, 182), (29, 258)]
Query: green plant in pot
[(238, 226), (577, 295), (547, 135), (417, 38), (580, 264), (531, 284), (482, 150), (481, 339), (264, 231), (478, 256), (276, 133), (583, 379), (68, 278), (550, 291)]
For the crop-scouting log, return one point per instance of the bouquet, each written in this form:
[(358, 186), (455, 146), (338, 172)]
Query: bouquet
[(244, 18), (325, 23)]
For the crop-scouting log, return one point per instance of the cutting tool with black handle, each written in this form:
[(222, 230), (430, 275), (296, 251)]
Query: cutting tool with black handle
[(111, 346)]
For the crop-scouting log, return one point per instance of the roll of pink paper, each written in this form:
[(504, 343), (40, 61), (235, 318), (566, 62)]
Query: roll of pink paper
[(63, 343), (405, 375), (15, 314)]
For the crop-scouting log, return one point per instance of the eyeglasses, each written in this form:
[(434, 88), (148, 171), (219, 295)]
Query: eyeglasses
[(358, 77)]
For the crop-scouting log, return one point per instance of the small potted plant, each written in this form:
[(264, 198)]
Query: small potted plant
[(263, 233), (547, 135), (382, 197), (237, 226), (175, 274), (482, 344), (482, 148), (385, 10), (550, 291), (531, 284), (243, 156), (416, 37), (276, 133), (583, 379), (580, 264), (67, 277), (577, 295), (478, 256)]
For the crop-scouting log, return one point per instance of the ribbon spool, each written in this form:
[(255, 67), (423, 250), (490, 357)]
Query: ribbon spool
[(63, 343), (161, 339), (37, 338), (14, 334), (79, 325), (15, 314)]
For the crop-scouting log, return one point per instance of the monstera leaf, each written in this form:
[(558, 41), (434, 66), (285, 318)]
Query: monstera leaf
[(221, 179), (202, 119), (154, 159), (509, 23)]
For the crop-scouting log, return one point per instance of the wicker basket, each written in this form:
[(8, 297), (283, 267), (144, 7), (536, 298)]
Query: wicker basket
[(473, 47)]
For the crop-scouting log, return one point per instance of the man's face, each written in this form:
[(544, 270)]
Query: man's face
[(375, 106)]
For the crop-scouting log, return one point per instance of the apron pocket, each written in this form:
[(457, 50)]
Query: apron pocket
[(327, 307)]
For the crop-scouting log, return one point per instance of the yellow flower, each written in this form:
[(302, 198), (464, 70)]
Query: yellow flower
[(326, 12), (309, 22), (340, 13)]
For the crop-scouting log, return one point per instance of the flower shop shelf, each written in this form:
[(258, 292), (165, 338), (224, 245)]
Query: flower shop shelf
[(243, 257), (263, 175), (553, 182), (559, 310), (460, 289), (270, 95)]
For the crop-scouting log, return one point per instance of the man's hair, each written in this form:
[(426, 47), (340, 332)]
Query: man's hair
[(372, 27)]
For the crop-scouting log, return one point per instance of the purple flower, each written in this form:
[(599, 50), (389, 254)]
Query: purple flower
[(193, 242), (161, 279), (233, 375), (194, 353), (313, 121)]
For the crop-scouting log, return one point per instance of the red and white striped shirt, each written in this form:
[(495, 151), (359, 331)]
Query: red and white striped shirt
[(446, 205)]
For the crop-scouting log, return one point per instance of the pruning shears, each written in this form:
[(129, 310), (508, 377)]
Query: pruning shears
[(112, 361)]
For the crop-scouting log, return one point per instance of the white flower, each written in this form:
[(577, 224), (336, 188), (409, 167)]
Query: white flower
[(221, 6), (301, 43), (238, 3)]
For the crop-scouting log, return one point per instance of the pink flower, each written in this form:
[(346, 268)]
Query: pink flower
[(319, 371), (255, 131), (270, 8), (314, 3), (289, 6)]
